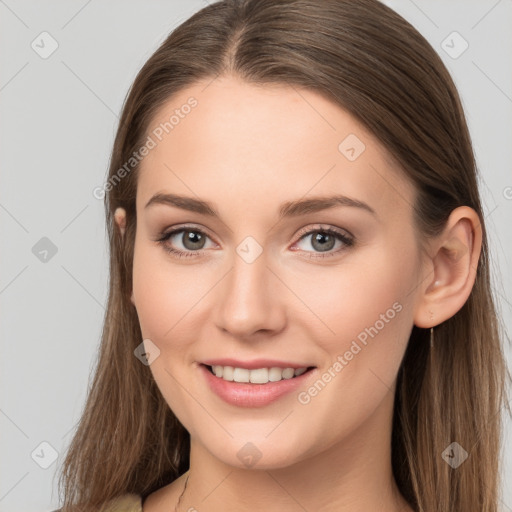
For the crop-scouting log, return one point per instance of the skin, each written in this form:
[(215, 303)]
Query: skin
[(273, 144)]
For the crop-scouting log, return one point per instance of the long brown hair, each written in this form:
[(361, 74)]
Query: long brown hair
[(371, 62)]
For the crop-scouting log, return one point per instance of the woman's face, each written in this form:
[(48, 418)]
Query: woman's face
[(260, 284)]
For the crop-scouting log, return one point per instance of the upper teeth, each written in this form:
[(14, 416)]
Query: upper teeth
[(258, 376)]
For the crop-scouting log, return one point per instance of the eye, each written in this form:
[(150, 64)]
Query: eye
[(323, 240), (192, 240)]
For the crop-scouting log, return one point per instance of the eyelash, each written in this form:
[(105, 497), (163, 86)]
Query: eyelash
[(163, 237)]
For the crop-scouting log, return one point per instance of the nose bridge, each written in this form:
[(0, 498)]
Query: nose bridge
[(249, 301)]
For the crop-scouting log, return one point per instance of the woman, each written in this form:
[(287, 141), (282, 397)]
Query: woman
[(300, 315)]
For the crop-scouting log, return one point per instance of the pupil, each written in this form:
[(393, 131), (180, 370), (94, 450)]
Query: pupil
[(192, 240), (329, 244)]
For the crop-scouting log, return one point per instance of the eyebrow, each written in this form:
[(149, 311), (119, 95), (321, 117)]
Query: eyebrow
[(287, 209)]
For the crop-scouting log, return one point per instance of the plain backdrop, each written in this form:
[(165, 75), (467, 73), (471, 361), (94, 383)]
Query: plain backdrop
[(66, 68)]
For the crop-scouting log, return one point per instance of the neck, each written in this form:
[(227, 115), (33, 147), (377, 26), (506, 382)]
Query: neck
[(354, 475)]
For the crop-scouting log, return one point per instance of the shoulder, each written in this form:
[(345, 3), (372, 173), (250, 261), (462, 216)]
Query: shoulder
[(128, 502), (159, 500)]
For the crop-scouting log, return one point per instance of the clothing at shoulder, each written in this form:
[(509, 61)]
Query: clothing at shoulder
[(125, 503), (128, 502)]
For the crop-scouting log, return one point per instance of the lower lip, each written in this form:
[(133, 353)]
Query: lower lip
[(252, 395)]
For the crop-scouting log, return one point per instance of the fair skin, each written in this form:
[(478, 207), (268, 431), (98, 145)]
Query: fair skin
[(247, 149)]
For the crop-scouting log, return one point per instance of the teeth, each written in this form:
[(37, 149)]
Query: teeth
[(257, 376)]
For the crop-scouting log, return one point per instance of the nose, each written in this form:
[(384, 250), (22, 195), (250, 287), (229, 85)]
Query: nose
[(251, 299)]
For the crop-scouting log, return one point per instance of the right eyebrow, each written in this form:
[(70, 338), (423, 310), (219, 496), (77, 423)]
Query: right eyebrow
[(185, 203)]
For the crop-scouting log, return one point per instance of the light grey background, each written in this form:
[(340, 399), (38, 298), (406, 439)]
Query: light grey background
[(58, 119)]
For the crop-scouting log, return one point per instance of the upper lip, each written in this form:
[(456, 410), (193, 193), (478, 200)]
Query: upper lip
[(254, 364)]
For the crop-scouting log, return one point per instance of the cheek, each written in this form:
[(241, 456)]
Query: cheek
[(163, 292), (165, 295), (362, 308), (366, 319)]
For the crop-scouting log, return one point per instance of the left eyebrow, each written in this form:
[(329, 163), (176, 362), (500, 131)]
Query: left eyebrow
[(287, 209), (316, 204)]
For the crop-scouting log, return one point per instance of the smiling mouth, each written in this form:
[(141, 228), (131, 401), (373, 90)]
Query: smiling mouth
[(256, 376)]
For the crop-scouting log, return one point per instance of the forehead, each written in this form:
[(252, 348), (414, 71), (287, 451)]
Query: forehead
[(237, 143)]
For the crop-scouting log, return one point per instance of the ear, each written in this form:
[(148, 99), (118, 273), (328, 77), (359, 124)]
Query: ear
[(450, 271), (120, 220)]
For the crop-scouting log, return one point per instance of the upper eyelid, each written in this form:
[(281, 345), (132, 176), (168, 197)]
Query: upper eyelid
[(174, 231), (325, 227)]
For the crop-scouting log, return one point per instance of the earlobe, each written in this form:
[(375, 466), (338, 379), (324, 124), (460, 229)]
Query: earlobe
[(120, 219), (454, 262)]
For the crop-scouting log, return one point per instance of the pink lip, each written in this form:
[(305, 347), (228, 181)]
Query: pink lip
[(254, 364), (253, 395)]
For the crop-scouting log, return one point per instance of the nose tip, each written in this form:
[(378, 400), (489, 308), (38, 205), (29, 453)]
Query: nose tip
[(250, 299)]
